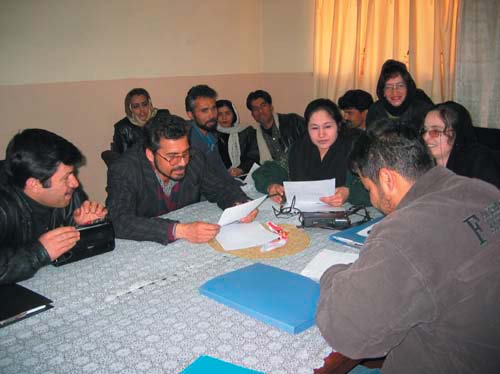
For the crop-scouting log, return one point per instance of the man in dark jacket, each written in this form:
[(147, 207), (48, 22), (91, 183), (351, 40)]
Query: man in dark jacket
[(425, 289), (167, 174), (201, 109), (40, 202), (277, 132)]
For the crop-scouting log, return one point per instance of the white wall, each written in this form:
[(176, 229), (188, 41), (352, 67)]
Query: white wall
[(66, 65), (46, 41)]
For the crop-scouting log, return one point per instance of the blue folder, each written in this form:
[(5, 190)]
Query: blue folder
[(351, 235), (277, 297), (207, 364)]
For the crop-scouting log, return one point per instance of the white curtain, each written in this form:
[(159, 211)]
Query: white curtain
[(353, 38), (477, 79)]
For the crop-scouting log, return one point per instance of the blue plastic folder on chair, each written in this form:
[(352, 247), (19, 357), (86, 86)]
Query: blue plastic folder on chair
[(277, 297), (207, 364)]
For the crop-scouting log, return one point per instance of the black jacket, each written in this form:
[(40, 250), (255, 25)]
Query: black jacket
[(292, 128), (413, 116), (21, 254), (133, 191), (127, 134), (248, 147)]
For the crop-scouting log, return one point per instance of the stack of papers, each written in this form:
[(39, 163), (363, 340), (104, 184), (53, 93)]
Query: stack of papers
[(324, 260), (277, 297), (235, 235), (244, 235)]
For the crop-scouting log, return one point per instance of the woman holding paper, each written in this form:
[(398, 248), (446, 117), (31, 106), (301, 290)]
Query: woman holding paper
[(323, 155)]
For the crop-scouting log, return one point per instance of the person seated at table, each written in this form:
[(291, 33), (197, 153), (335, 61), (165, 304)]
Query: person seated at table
[(237, 142), (129, 130), (354, 105), (139, 109), (320, 155), (398, 97), (201, 109), (449, 134), (164, 175), (276, 132), (40, 203), (425, 289)]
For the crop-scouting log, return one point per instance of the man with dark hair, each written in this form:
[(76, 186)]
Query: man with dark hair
[(425, 289), (202, 111), (40, 203), (277, 131), (167, 174), (354, 105)]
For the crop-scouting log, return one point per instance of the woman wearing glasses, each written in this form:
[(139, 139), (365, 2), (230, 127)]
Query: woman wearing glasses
[(398, 96), (449, 135), (323, 155)]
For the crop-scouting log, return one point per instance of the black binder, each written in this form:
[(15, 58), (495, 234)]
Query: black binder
[(18, 303)]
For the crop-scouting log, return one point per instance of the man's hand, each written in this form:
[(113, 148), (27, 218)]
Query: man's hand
[(278, 191), (250, 217), (235, 172), (196, 232), (88, 212), (338, 199), (60, 240)]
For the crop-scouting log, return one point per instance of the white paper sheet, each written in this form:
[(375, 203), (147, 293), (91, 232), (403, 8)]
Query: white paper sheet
[(238, 212), (307, 195), (323, 260), (248, 179), (244, 235)]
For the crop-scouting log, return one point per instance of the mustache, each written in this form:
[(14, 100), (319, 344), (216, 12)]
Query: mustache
[(179, 168)]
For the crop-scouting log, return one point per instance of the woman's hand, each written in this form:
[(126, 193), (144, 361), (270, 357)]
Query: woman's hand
[(277, 190), (235, 172), (338, 199)]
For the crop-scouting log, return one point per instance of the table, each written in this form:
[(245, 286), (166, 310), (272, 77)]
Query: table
[(137, 309)]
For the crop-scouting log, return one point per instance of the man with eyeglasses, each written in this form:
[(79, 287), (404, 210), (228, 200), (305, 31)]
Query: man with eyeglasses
[(399, 97), (164, 175)]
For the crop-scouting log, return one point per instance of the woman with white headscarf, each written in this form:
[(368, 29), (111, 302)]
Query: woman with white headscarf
[(139, 110), (237, 142)]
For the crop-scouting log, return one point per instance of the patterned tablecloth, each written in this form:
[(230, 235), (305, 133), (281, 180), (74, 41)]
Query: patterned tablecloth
[(137, 309)]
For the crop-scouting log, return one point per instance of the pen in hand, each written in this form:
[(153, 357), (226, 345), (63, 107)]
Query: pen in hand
[(282, 197)]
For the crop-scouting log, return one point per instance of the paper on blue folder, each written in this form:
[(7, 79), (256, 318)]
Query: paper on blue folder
[(355, 236), (208, 364), (277, 297)]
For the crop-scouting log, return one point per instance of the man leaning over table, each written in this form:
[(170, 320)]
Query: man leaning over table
[(164, 175), (425, 290), (40, 203)]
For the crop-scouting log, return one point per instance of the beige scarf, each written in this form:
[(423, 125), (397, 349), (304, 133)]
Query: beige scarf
[(136, 121)]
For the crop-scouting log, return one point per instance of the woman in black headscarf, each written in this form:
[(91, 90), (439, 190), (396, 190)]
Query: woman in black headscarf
[(399, 97), (449, 135), (323, 155)]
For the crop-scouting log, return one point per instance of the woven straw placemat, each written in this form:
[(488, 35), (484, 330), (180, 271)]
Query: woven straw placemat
[(298, 240)]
